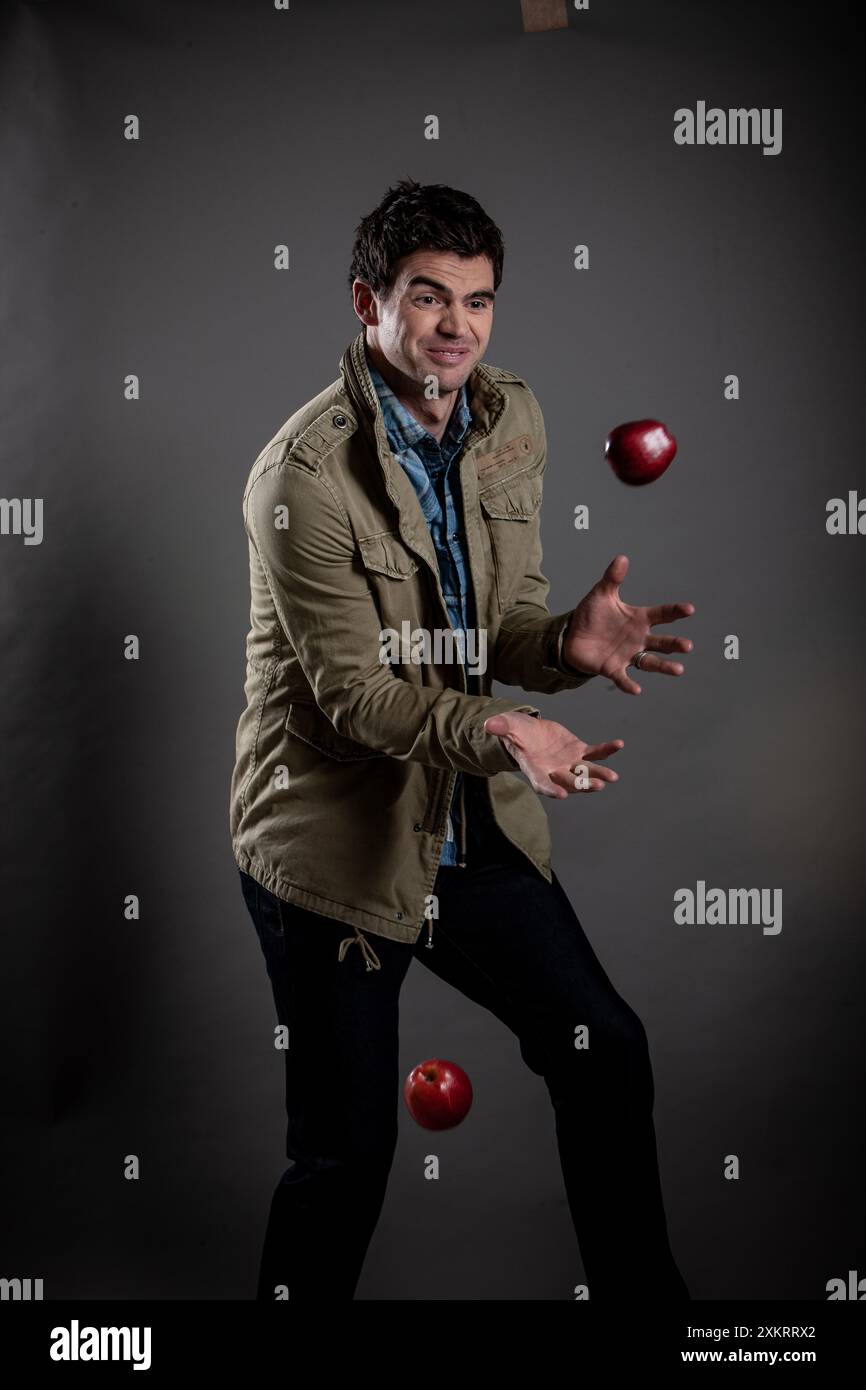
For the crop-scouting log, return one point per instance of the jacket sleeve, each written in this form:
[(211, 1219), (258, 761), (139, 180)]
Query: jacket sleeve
[(528, 648), (325, 606)]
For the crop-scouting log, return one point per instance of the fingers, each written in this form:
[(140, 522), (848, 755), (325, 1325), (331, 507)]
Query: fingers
[(651, 662), (669, 612), (587, 778), (625, 682), (597, 751), (665, 643), (654, 660)]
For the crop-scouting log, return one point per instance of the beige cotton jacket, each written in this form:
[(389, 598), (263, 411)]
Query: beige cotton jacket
[(345, 763)]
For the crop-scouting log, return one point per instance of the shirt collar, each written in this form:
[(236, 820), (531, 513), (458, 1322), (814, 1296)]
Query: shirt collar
[(404, 431)]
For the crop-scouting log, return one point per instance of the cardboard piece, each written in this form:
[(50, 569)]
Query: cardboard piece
[(543, 14)]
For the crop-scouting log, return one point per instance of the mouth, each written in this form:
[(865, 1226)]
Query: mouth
[(447, 355)]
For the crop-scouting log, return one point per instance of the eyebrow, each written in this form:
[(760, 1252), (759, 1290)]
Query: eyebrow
[(425, 280)]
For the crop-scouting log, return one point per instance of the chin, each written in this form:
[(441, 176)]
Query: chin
[(454, 376)]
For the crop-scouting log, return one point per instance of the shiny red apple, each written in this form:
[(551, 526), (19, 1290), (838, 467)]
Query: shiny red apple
[(438, 1094), (639, 451)]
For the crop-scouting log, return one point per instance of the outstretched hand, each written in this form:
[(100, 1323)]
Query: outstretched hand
[(552, 758), (605, 634)]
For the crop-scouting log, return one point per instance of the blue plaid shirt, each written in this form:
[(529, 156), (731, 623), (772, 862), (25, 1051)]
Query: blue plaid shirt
[(428, 463)]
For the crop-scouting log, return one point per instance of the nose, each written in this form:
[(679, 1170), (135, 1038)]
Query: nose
[(453, 320)]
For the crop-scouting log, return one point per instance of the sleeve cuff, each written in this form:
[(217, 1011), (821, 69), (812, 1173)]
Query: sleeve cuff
[(559, 664), (489, 748)]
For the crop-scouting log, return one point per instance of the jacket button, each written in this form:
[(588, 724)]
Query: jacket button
[(399, 914), (338, 420), (416, 827)]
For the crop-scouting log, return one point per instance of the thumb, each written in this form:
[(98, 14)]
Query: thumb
[(616, 570), (497, 724)]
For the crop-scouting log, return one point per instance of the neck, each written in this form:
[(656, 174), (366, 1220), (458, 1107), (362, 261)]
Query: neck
[(432, 414)]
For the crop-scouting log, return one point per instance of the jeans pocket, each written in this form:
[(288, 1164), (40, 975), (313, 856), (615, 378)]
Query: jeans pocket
[(266, 911), (269, 910)]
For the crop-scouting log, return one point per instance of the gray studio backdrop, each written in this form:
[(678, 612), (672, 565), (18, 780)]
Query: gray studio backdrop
[(155, 257)]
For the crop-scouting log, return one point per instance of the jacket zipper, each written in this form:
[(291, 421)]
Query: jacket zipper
[(432, 819), (461, 862)]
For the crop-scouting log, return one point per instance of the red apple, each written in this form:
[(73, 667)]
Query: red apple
[(438, 1094), (639, 451)]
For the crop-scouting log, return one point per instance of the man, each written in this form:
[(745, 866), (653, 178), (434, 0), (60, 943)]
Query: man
[(383, 799)]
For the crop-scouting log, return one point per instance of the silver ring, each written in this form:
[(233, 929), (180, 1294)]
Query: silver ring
[(638, 658)]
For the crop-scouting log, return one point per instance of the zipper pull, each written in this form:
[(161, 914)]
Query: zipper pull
[(429, 942)]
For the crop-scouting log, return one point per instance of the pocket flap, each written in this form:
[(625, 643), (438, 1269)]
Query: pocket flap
[(387, 554), (517, 499), (312, 725)]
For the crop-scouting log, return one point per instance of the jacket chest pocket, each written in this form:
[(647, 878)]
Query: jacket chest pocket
[(391, 569), (509, 509), (386, 553)]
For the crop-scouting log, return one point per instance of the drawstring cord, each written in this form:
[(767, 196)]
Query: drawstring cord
[(373, 962)]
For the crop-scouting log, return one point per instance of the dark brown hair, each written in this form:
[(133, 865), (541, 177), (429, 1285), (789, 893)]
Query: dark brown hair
[(414, 217)]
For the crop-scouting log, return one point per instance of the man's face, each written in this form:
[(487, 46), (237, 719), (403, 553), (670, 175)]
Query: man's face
[(436, 319)]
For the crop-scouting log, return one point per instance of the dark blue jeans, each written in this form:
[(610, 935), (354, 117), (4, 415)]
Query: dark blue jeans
[(510, 942)]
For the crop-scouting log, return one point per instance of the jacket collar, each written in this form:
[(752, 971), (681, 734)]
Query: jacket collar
[(485, 398), (487, 401), (405, 432)]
